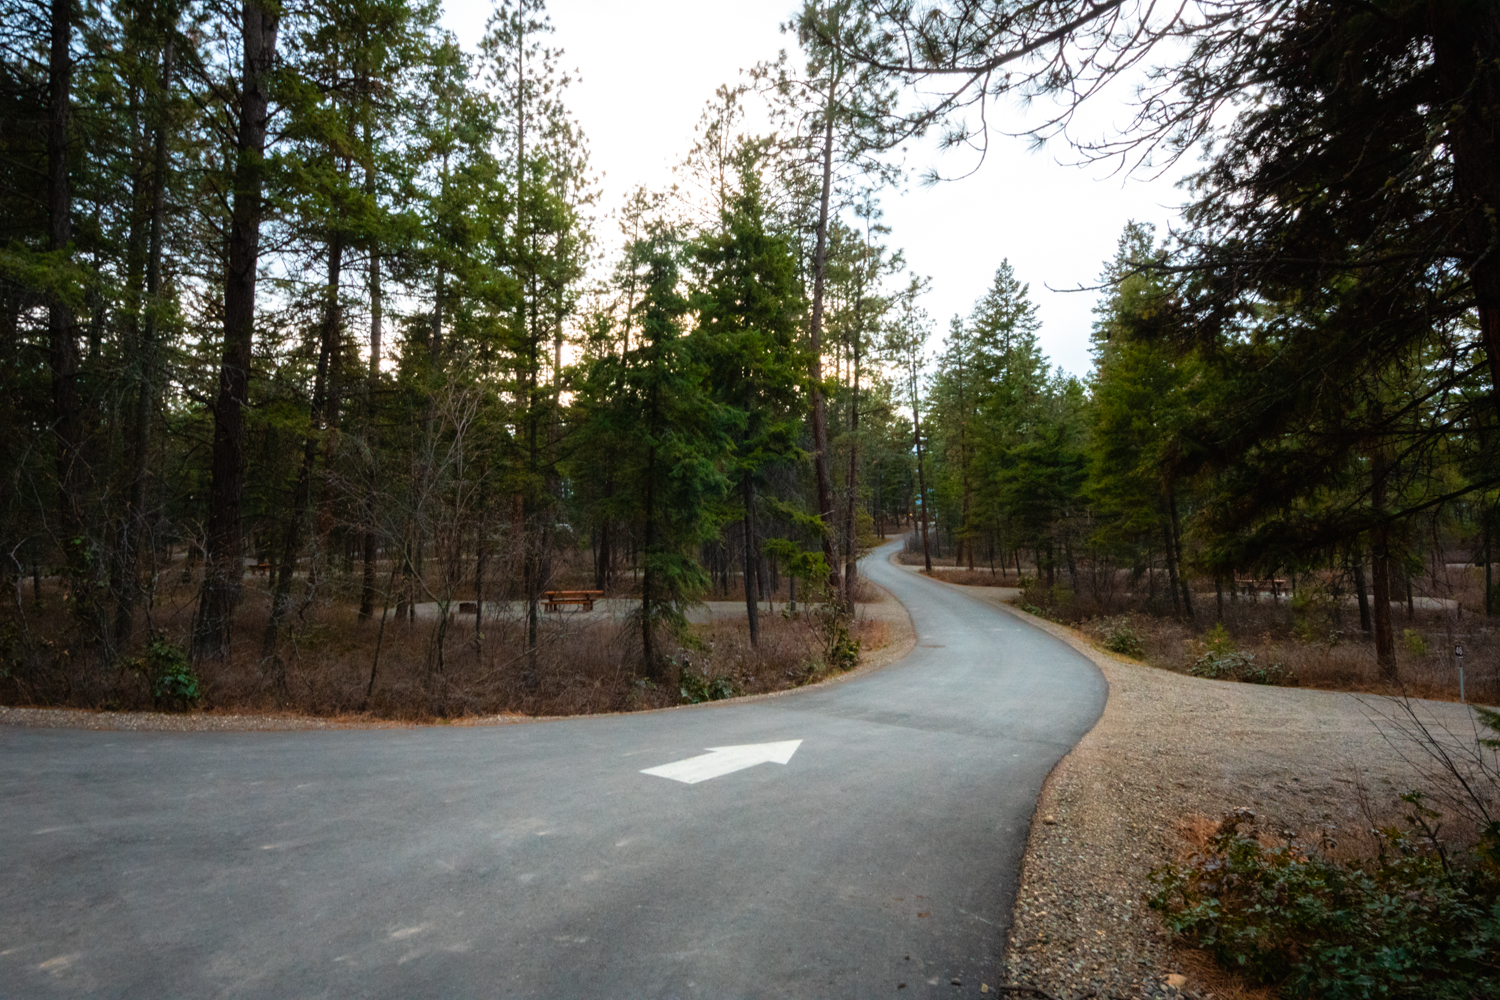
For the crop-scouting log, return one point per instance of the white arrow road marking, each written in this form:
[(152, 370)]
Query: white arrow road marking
[(725, 760)]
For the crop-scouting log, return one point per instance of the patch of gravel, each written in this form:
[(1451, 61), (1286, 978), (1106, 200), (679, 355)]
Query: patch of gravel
[(1169, 747)]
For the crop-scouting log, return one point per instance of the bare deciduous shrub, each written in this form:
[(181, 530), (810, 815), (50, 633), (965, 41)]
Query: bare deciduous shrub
[(423, 666), (1310, 651)]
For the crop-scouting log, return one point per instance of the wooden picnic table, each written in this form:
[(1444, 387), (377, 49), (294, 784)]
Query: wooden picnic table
[(1252, 586), (558, 599)]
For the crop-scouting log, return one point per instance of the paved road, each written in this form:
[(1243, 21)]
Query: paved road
[(537, 860)]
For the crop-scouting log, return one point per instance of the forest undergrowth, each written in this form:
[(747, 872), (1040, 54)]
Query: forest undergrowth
[(417, 667), (1405, 905), (1307, 638)]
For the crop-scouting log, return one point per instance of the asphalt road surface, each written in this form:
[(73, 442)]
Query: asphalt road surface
[(538, 860)]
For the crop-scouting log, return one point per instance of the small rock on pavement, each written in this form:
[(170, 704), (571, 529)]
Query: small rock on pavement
[(956, 982)]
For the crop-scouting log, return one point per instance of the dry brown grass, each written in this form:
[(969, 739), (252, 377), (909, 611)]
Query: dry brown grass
[(329, 664), (973, 577), (1318, 642), (1210, 979)]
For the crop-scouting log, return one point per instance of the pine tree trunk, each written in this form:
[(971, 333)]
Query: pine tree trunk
[(851, 482), (302, 494), (61, 323), (372, 378), (1180, 576), (603, 561), (1361, 591), (1489, 562), (145, 400), (648, 577), (752, 557), (1380, 569), (1466, 51), (371, 539), (1385, 642), (331, 356), (224, 568), (1166, 532), (815, 351), (921, 479)]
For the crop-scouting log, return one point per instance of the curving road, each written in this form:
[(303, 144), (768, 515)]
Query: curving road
[(538, 860)]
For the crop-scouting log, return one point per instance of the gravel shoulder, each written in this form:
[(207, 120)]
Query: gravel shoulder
[(901, 638), (1169, 749)]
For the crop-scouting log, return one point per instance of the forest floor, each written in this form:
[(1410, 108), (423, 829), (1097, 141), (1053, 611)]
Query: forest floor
[(1314, 639), (1170, 756), (880, 621)]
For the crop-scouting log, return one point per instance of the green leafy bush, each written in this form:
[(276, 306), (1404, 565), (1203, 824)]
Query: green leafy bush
[(1240, 666), (1119, 637), (840, 648), (1037, 595), (1412, 922), (843, 649), (169, 675), (696, 687), (1415, 644)]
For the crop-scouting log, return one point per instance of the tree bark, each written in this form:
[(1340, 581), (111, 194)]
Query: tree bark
[(1172, 567), (1361, 591), (328, 345), (1385, 643), (1380, 569), (372, 383), (331, 356), (224, 567), (851, 481), (372, 377), (1489, 564), (1179, 577), (605, 561), (145, 400), (916, 424), (648, 577), (752, 560), (1466, 53), (61, 323), (815, 353)]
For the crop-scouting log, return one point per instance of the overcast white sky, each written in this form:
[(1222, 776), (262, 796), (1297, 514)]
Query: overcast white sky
[(646, 67)]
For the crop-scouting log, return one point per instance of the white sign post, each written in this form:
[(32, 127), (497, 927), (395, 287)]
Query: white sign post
[(1458, 654)]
